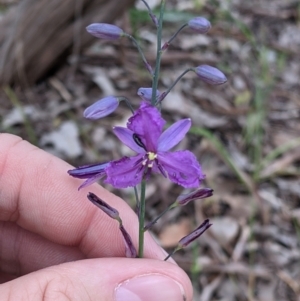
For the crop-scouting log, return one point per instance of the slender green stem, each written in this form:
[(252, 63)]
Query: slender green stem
[(167, 44), (142, 218), (127, 103), (136, 44), (164, 94), (158, 53), (137, 200), (172, 253), (151, 14), (149, 225)]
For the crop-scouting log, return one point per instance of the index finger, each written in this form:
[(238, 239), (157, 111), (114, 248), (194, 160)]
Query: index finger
[(37, 194)]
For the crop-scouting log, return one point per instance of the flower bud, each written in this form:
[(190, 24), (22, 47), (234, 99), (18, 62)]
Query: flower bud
[(199, 24), (146, 93), (210, 75), (101, 108), (105, 31), (110, 211), (130, 250), (201, 193), (185, 241)]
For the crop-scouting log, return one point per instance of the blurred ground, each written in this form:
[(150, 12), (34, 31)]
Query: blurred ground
[(246, 135)]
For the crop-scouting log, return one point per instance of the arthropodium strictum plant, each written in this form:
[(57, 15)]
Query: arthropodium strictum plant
[(145, 135)]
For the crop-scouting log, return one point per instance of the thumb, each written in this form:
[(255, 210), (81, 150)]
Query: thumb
[(105, 279)]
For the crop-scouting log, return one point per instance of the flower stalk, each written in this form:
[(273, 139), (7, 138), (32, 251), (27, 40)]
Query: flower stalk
[(158, 53), (136, 44), (142, 218)]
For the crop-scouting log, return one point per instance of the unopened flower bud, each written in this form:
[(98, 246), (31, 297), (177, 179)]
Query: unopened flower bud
[(201, 193), (130, 250), (146, 93), (110, 211), (210, 75), (105, 31), (185, 241), (101, 108), (199, 24)]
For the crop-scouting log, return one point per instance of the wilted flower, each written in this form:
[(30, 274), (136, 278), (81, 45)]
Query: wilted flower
[(105, 31), (110, 211), (92, 173), (146, 93), (199, 24), (210, 75), (101, 108), (201, 193), (144, 135), (185, 241), (130, 250)]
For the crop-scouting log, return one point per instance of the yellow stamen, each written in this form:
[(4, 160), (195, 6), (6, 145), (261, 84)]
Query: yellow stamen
[(151, 156)]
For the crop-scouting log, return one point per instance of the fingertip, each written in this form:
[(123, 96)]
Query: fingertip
[(110, 279)]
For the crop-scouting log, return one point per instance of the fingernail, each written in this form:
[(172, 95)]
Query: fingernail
[(148, 288)]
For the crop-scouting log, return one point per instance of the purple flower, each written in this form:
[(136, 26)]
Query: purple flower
[(185, 241), (201, 193), (92, 173), (210, 75), (144, 136), (105, 31), (199, 24), (146, 93), (101, 108)]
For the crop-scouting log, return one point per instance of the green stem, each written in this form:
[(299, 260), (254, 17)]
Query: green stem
[(158, 53), (172, 253), (148, 226), (136, 44), (127, 103), (164, 94), (167, 44), (142, 218), (137, 200)]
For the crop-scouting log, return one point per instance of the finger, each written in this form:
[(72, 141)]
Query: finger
[(37, 194), (23, 252), (109, 279)]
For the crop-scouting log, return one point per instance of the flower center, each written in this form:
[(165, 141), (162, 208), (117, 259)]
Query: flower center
[(151, 156), (150, 160)]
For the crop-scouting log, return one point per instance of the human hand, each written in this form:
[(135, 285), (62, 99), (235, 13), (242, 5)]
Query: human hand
[(56, 245)]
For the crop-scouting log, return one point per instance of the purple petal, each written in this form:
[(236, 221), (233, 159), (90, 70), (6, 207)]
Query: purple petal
[(92, 173), (88, 171), (91, 180), (185, 241), (173, 135), (101, 108), (126, 136), (105, 31), (182, 168), (126, 172), (147, 123), (110, 211)]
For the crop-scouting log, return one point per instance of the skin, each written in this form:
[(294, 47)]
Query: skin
[(55, 244)]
